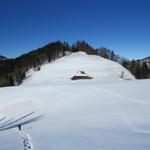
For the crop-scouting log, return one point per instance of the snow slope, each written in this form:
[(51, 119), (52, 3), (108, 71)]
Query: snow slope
[(63, 69), (100, 114)]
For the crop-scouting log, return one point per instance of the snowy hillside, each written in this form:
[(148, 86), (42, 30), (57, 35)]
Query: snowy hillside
[(99, 114), (63, 69)]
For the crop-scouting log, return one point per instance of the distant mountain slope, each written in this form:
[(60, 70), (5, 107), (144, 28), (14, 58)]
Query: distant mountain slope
[(66, 67), (13, 71), (2, 58)]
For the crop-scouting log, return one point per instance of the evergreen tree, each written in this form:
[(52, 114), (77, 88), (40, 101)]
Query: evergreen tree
[(144, 70), (112, 55)]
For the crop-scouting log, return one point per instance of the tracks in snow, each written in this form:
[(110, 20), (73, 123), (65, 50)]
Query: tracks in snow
[(124, 115), (27, 141)]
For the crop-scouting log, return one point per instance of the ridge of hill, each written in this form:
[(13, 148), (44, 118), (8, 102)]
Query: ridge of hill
[(13, 71), (63, 69)]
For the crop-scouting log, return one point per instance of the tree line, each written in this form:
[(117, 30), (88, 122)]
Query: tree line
[(13, 71), (140, 69)]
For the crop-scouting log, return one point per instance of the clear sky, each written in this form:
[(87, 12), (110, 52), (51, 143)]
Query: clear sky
[(121, 25)]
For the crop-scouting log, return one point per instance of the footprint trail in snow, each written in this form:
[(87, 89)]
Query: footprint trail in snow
[(27, 141)]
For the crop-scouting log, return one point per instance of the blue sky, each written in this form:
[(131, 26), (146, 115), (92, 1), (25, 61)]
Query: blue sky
[(121, 25)]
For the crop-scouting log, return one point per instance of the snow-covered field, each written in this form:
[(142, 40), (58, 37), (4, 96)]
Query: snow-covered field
[(104, 113)]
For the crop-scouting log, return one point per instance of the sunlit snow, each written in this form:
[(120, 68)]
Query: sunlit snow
[(104, 113)]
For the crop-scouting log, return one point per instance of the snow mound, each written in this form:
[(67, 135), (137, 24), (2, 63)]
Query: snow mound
[(64, 68)]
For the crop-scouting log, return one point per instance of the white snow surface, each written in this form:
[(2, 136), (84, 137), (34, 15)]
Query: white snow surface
[(99, 114), (66, 67)]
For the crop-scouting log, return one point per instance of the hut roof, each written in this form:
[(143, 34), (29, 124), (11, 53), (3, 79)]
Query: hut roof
[(81, 75)]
